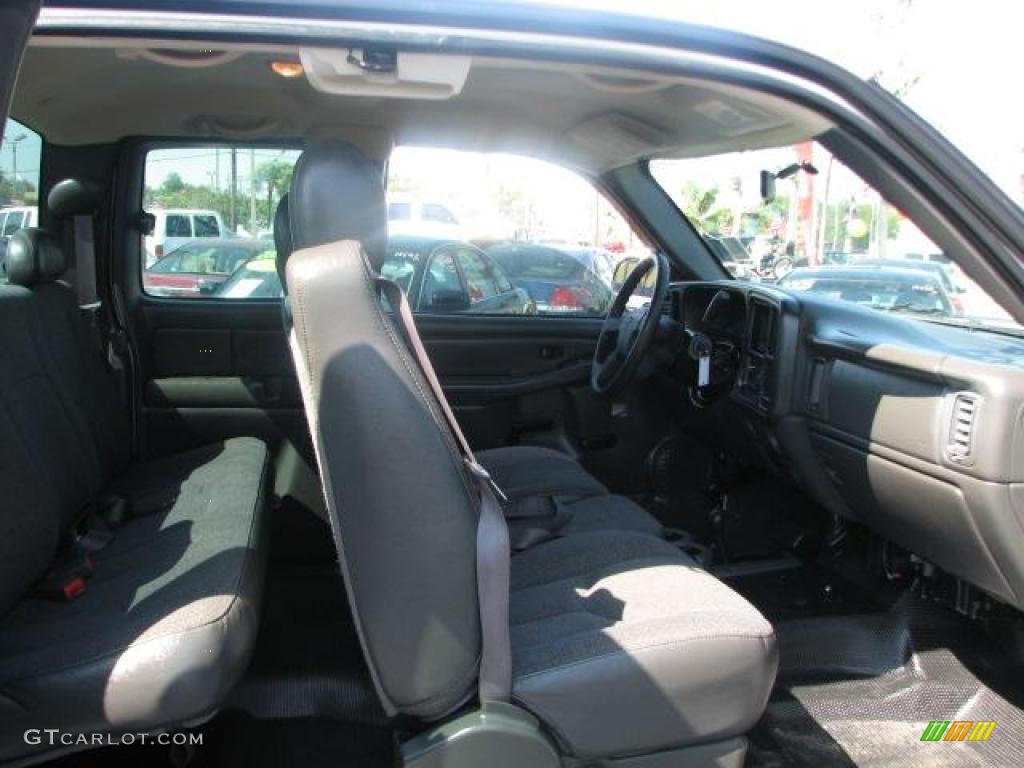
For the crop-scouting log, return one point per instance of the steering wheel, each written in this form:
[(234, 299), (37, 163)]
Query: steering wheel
[(627, 333)]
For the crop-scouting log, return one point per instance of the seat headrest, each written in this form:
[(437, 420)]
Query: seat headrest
[(33, 256), (74, 197), (337, 193), (282, 238)]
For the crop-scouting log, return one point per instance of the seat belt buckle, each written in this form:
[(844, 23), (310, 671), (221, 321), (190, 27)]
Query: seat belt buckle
[(482, 474), (66, 580)]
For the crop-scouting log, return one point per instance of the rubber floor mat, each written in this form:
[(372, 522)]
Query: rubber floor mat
[(831, 712)]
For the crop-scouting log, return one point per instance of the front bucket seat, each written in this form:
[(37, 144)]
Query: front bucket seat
[(606, 646)]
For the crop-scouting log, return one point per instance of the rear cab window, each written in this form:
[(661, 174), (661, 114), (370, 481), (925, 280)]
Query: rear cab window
[(20, 158), (213, 221)]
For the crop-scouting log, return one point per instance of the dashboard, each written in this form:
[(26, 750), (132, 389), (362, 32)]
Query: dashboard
[(914, 429)]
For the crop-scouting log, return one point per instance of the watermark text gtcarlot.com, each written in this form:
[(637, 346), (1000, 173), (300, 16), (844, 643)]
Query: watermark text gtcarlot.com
[(54, 737)]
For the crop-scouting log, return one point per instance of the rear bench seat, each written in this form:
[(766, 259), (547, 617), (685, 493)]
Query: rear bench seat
[(167, 622)]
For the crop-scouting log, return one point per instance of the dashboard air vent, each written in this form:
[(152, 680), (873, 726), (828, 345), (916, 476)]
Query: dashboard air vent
[(961, 427)]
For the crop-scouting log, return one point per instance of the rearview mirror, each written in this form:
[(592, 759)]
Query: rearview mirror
[(767, 186)]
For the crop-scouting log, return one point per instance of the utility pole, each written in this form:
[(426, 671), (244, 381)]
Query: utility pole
[(14, 159), (234, 190), (252, 192)]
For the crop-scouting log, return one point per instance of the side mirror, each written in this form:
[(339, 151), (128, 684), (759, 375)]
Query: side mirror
[(449, 301), (146, 223), (207, 287), (767, 186)]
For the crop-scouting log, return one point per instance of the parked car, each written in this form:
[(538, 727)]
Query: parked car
[(559, 280), (936, 268), (255, 279), (174, 227), (890, 289), (441, 275), (198, 267)]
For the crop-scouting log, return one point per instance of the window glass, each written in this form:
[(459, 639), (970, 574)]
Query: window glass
[(435, 212), (821, 228), (481, 280), (213, 217), (178, 226), (442, 286), (20, 152), (401, 266), (534, 237), (13, 222), (206, 226), (399, 211)]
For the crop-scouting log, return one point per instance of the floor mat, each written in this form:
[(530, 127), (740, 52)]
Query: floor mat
[(308, 661), (847, 709)]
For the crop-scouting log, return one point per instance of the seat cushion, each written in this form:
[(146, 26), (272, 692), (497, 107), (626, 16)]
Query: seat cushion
[(609, 513), (169, 618), (622, 644), (526, 470)]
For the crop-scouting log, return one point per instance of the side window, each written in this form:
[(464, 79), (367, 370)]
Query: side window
[(435, 212), (400, 266), (206, 226), (13, 223), (534, 237), (222, 199), (481, 277), (399, 211), (178, 226), (443, 290), (20, 152)]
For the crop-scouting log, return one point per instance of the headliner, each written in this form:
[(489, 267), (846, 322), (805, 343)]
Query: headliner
[(85, 91)]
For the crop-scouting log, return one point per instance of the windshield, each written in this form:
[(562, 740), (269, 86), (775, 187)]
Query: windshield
[(798, 217)]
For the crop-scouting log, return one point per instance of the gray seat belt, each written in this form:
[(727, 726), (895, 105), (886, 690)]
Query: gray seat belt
[(492, 540), (85, 258), (114, 342)]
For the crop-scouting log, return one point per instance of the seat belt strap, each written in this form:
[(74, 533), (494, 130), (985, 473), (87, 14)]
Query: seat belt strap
[(85, 259), (492, 540)]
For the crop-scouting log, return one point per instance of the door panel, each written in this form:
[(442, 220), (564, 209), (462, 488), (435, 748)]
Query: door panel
[(216, 369), (519, 380), (212, 370)]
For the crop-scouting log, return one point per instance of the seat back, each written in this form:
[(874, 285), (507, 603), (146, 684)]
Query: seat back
[(402, 507)]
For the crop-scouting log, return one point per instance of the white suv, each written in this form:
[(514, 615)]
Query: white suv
[(176, 226), (422, 217)]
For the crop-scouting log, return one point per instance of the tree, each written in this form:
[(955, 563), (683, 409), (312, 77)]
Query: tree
[(172, 183), (277, 176)]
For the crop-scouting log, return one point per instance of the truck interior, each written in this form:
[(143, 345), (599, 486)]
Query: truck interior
[(724, 523)]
